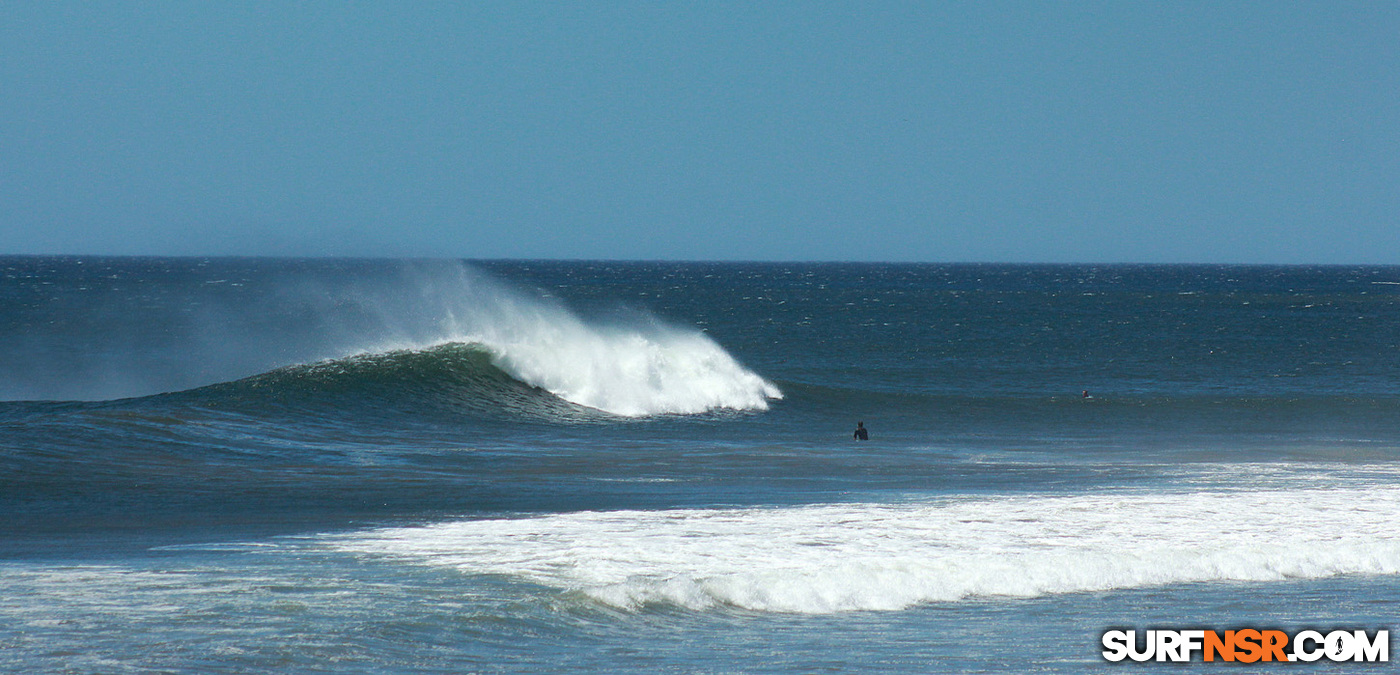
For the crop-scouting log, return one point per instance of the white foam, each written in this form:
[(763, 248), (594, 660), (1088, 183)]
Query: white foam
[(633, 374), (832, 558), (626, 370)]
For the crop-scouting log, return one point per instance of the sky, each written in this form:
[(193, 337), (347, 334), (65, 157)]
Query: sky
[(1229, 132)]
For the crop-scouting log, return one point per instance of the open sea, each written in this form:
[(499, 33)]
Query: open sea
[(376, 466)]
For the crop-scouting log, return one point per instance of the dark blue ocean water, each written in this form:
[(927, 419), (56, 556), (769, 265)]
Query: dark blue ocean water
[(254, 465)]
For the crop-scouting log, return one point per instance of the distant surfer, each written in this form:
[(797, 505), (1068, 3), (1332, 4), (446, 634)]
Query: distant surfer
[(861, 433), (1085, 394)]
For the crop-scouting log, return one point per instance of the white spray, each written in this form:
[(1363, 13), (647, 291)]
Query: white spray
[(254, 317), (644, 367)]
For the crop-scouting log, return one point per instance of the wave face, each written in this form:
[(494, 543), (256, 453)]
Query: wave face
[(873, 556), (455, 377)]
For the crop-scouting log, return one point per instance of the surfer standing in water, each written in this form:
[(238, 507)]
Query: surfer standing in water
[(861, 433)]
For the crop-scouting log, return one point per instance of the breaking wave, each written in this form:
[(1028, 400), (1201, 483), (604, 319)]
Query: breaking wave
[(403, 328), (627, 374), (637, 368)]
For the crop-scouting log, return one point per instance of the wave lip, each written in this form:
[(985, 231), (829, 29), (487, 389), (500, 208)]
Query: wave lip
[(633, 374), (833, 558), (639, 369)]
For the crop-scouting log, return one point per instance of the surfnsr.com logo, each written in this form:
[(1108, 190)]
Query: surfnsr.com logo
[(1247, 645)]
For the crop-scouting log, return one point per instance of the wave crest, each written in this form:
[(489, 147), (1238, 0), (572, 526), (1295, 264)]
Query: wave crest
[(443, 327), (633, 374), (386, 321), (637, 369), (460, 378), (627, 375)]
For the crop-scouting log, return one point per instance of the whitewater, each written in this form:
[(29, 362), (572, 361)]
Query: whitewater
[(861, 556), (386, 466)]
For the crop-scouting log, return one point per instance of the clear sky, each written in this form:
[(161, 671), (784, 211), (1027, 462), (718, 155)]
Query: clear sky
[(925, 131)]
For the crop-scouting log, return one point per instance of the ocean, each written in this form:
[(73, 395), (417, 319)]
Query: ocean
[(235, 465)]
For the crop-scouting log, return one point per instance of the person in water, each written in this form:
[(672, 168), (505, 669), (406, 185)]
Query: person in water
[(861, 433)]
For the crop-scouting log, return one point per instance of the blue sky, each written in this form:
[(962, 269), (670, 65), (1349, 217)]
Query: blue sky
[(1021, 132)]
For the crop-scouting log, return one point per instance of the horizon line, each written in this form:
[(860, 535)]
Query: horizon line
[(242, 256)]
